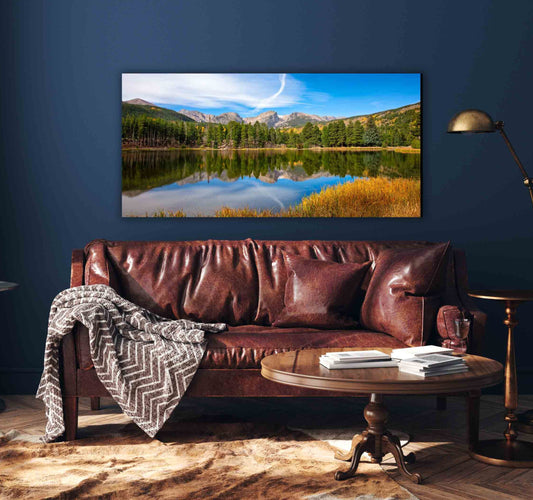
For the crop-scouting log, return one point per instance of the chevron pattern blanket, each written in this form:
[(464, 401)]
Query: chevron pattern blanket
[(146, 362)]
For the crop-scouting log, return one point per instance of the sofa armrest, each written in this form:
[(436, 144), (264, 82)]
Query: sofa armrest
[(77, 268), (461, 301), (79, 333), (68, 350)]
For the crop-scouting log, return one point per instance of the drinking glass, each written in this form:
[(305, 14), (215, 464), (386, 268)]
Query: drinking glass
[(462, 329)]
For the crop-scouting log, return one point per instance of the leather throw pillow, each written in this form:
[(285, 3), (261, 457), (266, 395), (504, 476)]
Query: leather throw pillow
[(404, 292), (321, 294)]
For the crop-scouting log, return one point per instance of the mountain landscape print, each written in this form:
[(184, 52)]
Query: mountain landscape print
[(271, 145)]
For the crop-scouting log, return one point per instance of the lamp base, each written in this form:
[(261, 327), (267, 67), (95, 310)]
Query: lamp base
[(504, 453)]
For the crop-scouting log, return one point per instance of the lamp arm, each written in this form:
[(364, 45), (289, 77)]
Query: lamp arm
[(528, 181)]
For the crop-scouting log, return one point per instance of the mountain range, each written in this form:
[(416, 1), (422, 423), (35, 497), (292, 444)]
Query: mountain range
[(270, 118), (139, 106)]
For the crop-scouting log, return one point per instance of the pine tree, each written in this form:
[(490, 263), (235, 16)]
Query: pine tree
[(234, 133), (337, 133), (212, 136), (371, 134), (358, 132), (262, 135), (310, 135), (221, 134), (350, 139), (326, 142), (307, 134), (317, 136)]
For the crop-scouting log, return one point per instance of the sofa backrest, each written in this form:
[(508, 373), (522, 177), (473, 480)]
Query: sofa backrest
[(236, 282)]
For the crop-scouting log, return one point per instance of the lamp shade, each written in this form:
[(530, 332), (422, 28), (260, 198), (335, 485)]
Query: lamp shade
[(471, 121)]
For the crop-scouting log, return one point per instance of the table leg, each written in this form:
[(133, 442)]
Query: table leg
[(393, 445), (347, 455), (473, 418), (360, 448), (508, 452), (511, 391), (376, 441)]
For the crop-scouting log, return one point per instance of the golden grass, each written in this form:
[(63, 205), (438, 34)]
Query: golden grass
[(373, 197), (168, 213), (245, 212)]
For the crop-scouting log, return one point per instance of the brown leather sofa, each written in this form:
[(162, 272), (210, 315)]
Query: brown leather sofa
[(242, 283)]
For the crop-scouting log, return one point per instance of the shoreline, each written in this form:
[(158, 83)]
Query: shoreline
[(396, 149)]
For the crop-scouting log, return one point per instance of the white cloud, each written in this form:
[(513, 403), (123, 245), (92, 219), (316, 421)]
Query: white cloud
[(214, 90), (265, 103)]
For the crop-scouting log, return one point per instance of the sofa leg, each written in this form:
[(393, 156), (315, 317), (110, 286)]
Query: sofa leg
[(441, 403), (70, 414), (95, 403)]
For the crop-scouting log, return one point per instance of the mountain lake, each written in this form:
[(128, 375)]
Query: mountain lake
[(200, 182)]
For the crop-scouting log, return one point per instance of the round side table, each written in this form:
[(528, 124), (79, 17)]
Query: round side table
[(508, 452), (4, 287)]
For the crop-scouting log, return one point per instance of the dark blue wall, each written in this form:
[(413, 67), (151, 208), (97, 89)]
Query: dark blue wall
[(60, 183)]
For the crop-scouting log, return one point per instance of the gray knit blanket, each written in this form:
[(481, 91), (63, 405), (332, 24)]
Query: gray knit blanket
[(146, 362)]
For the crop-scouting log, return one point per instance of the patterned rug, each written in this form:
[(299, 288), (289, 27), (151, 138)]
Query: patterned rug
[(187, 460)]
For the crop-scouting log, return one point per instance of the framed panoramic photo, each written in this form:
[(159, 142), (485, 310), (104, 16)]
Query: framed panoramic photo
[(271, 145)]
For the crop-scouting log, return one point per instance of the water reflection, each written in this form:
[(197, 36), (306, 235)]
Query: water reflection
[(200, 182)]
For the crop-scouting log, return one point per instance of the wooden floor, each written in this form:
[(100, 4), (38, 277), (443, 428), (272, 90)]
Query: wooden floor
[(438, 437)]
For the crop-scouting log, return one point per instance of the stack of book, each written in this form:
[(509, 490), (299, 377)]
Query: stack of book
[(431, 365), (356, 359), (413, 352)]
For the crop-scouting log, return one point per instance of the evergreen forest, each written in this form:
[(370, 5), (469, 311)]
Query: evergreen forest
[(395, 128)]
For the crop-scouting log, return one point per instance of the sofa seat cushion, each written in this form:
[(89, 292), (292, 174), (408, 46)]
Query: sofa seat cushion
[(245, 346)]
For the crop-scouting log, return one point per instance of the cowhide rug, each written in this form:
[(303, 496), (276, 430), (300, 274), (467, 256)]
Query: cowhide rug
[(186, 460)]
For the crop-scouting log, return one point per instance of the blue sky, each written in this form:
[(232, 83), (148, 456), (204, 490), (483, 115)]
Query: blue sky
[(333, 94)]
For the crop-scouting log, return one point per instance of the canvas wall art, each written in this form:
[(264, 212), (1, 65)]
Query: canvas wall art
[(271, 145)]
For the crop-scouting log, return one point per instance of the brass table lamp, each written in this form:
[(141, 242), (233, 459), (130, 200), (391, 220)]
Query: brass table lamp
[(474, 121)]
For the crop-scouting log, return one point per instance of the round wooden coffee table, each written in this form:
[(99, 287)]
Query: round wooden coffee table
[(302, 369)]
